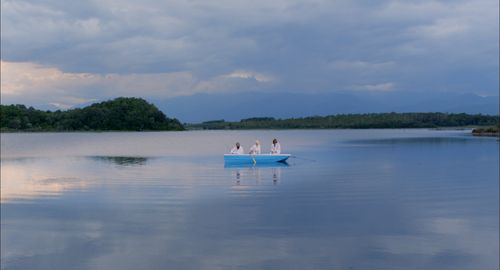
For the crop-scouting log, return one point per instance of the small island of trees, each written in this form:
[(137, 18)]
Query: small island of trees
[(120, 114)]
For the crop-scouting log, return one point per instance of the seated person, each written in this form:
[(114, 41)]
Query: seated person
[(237, 149), (255, 149), (275, 147)]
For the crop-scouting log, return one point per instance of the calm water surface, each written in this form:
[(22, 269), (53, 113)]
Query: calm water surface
[(351, 199)]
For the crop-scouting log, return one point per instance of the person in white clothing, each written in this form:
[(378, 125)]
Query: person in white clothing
[(275, 147), (237, 149), (255, 149)]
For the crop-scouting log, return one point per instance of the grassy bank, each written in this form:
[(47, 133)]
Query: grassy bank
[(487, 131)]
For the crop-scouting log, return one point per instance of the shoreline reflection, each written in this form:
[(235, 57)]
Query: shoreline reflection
[(122, 160)]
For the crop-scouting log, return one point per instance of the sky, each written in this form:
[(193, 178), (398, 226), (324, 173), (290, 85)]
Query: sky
[(60, 54)]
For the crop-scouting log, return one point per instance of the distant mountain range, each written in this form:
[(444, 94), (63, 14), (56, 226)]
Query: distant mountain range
[(232, 107)]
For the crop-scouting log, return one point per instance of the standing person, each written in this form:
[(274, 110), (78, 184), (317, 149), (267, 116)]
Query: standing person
[(255, 149), (237, 149), (275, 147)]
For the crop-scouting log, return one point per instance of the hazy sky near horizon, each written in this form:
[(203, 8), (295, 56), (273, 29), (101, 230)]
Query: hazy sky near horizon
[(62, 54)]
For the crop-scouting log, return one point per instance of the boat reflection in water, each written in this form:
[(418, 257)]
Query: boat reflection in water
[(257, 174)]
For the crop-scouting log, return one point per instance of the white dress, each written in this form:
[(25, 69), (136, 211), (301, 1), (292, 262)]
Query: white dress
[(275, 148), (255, 150), (237, 151)]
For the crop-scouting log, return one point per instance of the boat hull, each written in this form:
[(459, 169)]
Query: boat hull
[(255, 159)]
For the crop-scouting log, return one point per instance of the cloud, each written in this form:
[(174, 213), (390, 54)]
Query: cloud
[(298, 46), (241, 74), (359, 65), (63, 90), (380, 87), (441, 29), (61, 106)]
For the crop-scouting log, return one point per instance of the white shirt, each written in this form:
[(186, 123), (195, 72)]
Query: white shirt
[(237, 151), (255, 149), (275, 148)]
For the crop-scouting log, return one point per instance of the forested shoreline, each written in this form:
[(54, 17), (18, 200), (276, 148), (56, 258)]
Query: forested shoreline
[(120, 114), (136, 114), (357, 121)]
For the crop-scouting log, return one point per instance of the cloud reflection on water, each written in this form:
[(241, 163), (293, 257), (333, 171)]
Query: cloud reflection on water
[(49, 178), (419, 206)]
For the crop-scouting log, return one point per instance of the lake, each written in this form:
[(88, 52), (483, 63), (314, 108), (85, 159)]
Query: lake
[(350, 199)]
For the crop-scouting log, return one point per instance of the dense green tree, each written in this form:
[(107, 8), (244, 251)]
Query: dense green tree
[(117, 114)]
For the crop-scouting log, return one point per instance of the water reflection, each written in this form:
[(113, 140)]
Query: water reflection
[(33, 178), (123, 161), (396, 206), (249, 174), (418, 140)]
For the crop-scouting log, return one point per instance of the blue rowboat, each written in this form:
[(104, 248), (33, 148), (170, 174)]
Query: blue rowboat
[(273, 165), (255, 159)]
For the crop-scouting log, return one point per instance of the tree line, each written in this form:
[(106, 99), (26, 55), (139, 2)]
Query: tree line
[(119, 114), (136, 114), (357, 121)]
